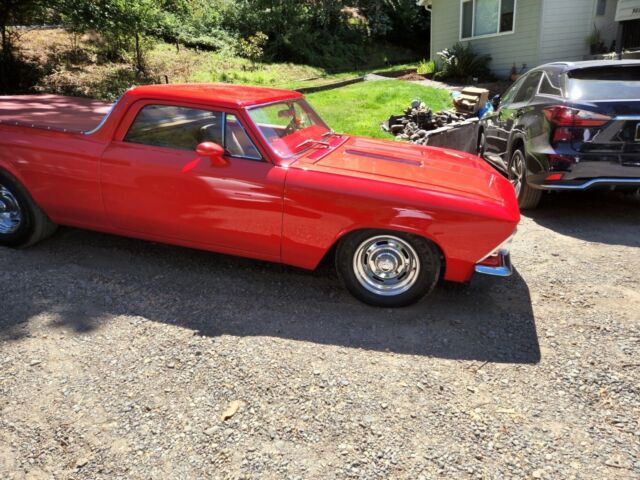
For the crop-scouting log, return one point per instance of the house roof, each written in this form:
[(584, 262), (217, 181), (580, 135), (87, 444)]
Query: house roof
[(223, 94)]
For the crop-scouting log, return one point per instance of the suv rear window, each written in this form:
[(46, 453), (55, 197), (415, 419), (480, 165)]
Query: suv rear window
[(604, 83)]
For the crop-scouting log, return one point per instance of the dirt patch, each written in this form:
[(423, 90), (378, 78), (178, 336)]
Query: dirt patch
[(412, 77)]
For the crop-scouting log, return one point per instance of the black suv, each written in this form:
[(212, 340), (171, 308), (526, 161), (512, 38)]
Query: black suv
[(567, 126)]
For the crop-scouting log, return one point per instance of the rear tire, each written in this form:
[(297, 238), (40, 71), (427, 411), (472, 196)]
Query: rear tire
[(22, 222), (528, 197), (388, 269)]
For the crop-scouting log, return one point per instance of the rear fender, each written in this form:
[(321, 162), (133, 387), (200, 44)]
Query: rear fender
[(8, 167), (519, 138)]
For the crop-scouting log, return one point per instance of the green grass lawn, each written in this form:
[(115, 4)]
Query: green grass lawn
[(360, 109)]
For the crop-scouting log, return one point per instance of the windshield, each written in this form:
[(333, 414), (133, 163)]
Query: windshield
[(289, 127), (604, 83)]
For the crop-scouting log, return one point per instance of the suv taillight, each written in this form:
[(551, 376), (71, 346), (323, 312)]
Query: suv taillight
[(562, 116)]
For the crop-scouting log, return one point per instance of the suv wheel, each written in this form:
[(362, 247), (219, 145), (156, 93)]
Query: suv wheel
[(528, 197)]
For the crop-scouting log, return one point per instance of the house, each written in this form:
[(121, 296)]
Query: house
[(527, 33)]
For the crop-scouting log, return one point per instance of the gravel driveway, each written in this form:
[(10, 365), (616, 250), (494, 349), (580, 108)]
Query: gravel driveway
[(126, 359)]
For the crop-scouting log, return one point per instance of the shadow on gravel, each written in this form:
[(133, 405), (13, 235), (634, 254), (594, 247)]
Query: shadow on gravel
[(595, 216), (80, 280)]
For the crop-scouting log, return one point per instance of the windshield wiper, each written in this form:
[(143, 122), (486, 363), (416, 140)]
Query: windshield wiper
[(330, 133), (312, 142)]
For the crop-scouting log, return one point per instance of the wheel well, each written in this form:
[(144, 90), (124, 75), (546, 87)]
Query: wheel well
[(329, 257), (518, 143)]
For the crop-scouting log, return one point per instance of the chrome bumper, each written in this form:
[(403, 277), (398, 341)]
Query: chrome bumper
[(497, 265)]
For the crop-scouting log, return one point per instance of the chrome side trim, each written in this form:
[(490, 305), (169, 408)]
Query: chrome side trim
[(504, 270), (592, 182), (105, 118)]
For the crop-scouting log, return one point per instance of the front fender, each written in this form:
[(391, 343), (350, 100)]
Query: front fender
[(317, 214)]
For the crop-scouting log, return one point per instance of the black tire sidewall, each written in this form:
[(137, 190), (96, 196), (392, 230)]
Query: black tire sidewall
[(24, 232), (430, 266), (529, 197)]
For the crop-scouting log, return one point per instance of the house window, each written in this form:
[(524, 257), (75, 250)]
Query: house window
[(601, 7), (480, 18)]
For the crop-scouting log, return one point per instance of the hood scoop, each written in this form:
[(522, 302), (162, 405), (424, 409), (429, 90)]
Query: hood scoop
[(387, 158)]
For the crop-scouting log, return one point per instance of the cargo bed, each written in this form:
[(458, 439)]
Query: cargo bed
[(52, 112)]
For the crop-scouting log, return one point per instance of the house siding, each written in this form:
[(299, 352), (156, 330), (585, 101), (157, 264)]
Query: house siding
[(521, 47), (565, 28)]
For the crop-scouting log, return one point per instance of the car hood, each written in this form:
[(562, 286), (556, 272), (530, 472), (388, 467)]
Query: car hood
[(437, 169)]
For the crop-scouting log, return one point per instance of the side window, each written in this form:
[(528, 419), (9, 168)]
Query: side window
[(237, 141), (175, 127), (507, 98), (548, 88), (528, 88)]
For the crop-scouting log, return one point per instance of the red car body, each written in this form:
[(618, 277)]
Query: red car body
[(290, 210)]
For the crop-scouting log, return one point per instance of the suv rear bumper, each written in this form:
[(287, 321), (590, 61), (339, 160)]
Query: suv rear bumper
[(589, 172)]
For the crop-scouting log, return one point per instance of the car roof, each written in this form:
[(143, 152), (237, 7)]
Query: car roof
[(569, 66), (222, 94)]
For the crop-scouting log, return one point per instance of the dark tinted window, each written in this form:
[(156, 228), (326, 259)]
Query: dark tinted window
[(507, 9), (175, 127), (507, 97), (609, 82), (607, 72), (467, 19), (528, 88)]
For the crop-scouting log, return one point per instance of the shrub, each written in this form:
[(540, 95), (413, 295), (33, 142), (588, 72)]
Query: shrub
[(427, 67), (252, 48), (461, 62)]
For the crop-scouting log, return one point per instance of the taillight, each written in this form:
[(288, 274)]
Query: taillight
[(572, 117)]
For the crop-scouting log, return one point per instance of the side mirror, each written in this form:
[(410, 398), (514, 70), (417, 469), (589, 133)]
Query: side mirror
[(495, 101), (213, 152)]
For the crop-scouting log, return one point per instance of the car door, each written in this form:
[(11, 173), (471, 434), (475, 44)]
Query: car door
[(156, 185)]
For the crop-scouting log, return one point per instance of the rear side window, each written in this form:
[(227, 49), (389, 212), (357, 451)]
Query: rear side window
[(547, 87), (604, 83), (528, 88)]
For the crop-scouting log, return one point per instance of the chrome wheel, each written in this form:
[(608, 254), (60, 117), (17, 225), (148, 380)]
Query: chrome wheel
[(10, 212), (386, 265), (516, 171)]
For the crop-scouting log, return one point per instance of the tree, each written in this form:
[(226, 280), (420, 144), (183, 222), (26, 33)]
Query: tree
[(122, 23), (13, 13)]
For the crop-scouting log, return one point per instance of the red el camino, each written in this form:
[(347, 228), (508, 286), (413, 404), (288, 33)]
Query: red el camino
[(253, 172)]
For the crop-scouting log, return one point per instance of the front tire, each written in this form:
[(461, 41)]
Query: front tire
[(388, 269), (22, 222), (528, 197)]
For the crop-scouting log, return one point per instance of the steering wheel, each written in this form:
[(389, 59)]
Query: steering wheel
[(293, 126)]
